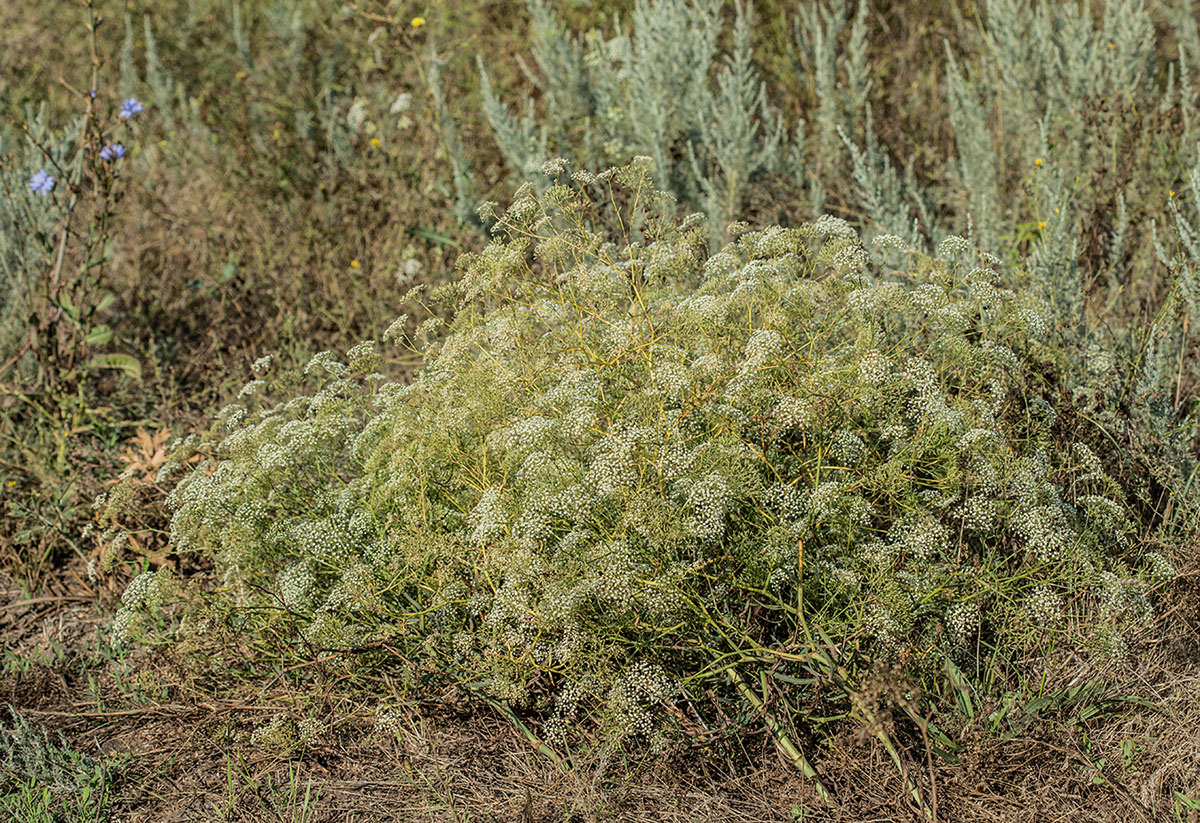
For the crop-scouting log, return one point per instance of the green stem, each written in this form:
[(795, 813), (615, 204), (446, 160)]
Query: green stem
[(785, 743)]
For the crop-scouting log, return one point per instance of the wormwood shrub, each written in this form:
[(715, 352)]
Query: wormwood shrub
[(43, 778), (632, 473), (1070, 124)]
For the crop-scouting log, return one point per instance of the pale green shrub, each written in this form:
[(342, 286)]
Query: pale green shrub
[(1069, 127), (666, 89), (43, 778), (632, 469), (663, 90)]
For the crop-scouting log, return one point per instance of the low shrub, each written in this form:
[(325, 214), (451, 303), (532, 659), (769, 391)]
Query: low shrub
[(633, 474)]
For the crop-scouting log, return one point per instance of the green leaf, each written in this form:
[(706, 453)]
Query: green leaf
[(962, 687), (67, 306), (124, 362), (98, 336), (435, 237), (104, 302), (1187, 802)]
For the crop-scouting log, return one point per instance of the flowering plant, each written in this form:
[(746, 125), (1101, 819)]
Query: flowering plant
[(632, 472)]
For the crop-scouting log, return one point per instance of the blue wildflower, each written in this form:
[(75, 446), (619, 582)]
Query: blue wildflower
[(113, 151), (130, 107), (41, 182)]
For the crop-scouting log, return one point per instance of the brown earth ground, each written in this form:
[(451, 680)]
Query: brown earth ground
[(187, 756)]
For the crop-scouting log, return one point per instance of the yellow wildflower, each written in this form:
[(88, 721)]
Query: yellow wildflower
[(417, 22), (375, 142), (354, 264), (1037, 162)]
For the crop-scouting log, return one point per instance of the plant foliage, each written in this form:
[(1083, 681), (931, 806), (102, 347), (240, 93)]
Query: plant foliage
[(632, 472)]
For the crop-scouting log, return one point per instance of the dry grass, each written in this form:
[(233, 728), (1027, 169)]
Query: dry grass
[(1116, 757)]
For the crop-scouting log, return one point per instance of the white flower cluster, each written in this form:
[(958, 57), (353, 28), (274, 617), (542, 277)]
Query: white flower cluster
[(1001, 356), (329, 631), (720, 264), (503, 332), (262, 365), (356, 590), (929, 406), (786, 499), (671, 379), (615, 464), (1110, 592), (1159, 567), (708, 500), (763, 349), (884, 242), (850, 259), (823, 499), (980, 515), (296, 585), (926, 539), (615, 574), (962, 621), (1106, 514), (980, 440), (1035, 323), (954, 246), (1045, 530), (364, 358), (794, 413), (326, 362), (1044, 607), (121, 628), (308, 730), (395, 331), (707, 308), (488, 519), (874, 368), (277, 733), (146, 590), (847, 448), (391, 722), (324, 541), (636, 694), (252, 388), (928, 297), (885, 627), (1113, 648)]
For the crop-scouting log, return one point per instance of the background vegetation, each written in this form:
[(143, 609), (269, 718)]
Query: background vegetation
[(304, 172)]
